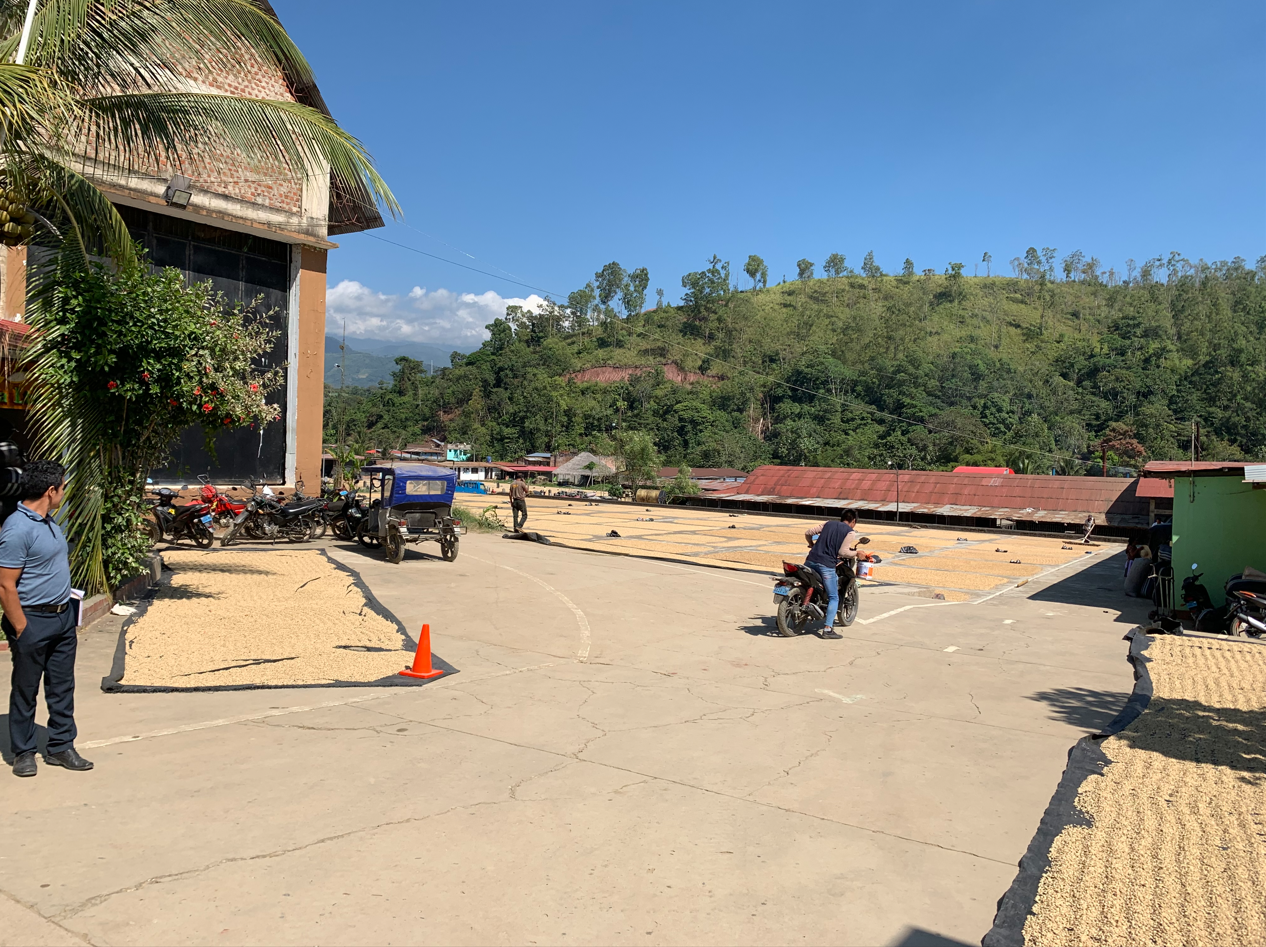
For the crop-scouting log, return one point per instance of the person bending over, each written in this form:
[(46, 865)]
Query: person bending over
[(831, 545)]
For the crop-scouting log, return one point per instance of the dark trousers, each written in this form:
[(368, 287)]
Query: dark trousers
[(46, 651), (519, 510)]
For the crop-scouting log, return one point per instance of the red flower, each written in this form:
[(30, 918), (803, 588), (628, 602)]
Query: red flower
[(228, 420), (254, 387), (145, 376), (173, 402), (207, 369), (213, 322), (111, 385), (198, 390), (277, 417), (206, 407)]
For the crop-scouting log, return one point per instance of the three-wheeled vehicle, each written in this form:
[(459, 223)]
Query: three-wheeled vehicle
[(410, 503)]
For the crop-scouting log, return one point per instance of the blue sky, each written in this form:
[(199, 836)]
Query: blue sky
[(547, 139)]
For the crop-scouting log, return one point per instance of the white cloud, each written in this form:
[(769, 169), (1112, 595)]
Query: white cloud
[(438, 316)]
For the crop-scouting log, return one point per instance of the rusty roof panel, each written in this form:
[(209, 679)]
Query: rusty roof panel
[(1004, 496)]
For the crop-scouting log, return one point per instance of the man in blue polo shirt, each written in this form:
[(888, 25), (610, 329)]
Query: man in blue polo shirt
[(40, 620)]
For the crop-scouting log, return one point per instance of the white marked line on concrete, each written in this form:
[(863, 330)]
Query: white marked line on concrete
[(978, 601), (1008, 621), (840, 697), (586, 638), (303, 708), (952, 648)]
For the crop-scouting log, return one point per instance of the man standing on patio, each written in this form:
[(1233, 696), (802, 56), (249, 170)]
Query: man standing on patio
[(40, 620), (518, 502)]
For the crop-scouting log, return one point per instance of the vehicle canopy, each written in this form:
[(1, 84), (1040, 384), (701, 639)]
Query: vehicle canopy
[(416, 483)]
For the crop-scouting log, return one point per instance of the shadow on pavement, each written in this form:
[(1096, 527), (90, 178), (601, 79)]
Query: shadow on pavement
[(918, 937), (1083, 707), (6, 748), (1098, 586)]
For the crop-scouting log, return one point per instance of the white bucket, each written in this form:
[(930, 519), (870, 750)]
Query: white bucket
[(863, 570)]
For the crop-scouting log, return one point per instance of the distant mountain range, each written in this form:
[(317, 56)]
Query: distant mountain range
[(369, 361)]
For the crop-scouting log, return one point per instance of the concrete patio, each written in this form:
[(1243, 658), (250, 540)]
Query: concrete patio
[(629, 754)]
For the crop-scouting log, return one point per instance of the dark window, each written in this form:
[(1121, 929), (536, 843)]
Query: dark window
[(243, 267)]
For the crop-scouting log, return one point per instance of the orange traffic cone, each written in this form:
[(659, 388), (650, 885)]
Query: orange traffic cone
[(422, 659)]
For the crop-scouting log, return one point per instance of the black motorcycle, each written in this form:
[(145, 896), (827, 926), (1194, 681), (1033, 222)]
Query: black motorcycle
[(174, 523), (801, 595), (265, 517), (345, 513), (1195, 597)]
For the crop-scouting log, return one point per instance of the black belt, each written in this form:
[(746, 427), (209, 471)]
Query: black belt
[(47, 609)]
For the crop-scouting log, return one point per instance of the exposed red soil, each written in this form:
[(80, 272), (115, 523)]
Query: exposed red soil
[(608, 374)]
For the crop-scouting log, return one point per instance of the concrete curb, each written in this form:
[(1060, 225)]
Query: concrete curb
[(1085, 759)]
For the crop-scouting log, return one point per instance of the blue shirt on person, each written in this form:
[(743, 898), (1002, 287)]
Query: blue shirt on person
[(35, 544)]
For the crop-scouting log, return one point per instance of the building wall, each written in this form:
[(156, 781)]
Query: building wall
[(1221, 527), (310, 368)]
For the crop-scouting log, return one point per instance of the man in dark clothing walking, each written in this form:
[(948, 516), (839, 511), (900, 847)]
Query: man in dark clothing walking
[(40, 620), (518, 502), (830, 542)]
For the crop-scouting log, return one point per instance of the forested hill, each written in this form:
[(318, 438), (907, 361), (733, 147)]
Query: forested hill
[(929, 371)]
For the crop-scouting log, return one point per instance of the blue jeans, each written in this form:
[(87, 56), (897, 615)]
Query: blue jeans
[(832, 582)]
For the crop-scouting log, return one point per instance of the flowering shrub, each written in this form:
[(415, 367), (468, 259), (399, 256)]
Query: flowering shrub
[(122, 363)]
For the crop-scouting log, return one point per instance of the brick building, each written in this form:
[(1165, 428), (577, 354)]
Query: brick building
[(253, 233)]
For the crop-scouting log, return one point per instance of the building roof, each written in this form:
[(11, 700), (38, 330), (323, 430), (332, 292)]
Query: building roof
[(704, 473), (1155, 488), (1027, 497), (1198, 468), (576, 466), (524, 468)]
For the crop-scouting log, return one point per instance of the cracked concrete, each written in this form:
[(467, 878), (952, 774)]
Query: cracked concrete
[(695, 780)]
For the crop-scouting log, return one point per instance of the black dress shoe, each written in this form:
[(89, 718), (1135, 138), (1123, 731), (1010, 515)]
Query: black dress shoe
[(69, 759), (24, 765), (830, 633)]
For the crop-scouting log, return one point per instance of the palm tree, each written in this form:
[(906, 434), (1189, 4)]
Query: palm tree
[(108, 89), (112, 83)]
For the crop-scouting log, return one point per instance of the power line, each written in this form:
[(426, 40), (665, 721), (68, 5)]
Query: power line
[(473, 269)]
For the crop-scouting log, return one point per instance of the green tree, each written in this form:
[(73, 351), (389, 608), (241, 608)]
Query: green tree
[(639, 461), (804, 270), (870, 269), (987, 259), (177, 357), (834, 265), (633, 291), (907, 268), (580, 302), (754, 267), (682, 485)]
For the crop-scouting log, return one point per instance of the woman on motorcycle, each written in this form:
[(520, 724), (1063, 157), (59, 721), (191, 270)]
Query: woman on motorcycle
[(830, 545)]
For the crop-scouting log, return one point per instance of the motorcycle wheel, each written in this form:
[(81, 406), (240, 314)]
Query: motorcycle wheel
[(319, 526), (229, 535), (202, 537), (789, 625), (393, 547), (369, 542), (448, 550), (341, 530), (154, 530), (848, 605), (296, 532)]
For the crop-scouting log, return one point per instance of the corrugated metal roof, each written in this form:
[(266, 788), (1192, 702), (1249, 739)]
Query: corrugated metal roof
[(1155, 488), (1003, 496), (1170, 468)]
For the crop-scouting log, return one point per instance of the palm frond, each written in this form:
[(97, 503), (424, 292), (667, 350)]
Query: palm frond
[(88, 224), (131, 44), (131, 129)]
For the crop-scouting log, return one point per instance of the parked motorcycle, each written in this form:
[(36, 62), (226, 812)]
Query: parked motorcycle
[(1199, 605), (223, 508), (344, 513), (265, 517), (1246, 605), (174, 523), (801, 595)]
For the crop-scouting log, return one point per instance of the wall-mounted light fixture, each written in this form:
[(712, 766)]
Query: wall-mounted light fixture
[(179, 192)]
